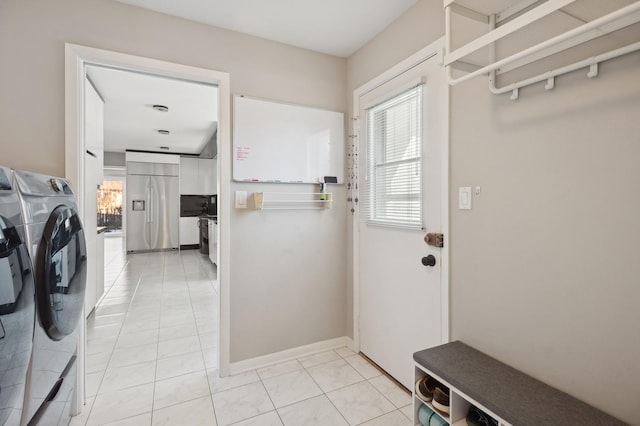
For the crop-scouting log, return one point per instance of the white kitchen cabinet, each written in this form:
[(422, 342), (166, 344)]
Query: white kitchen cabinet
[(207, 176), (198, 176), (189, 231), (213, 241), (94, 175), (188, 176)]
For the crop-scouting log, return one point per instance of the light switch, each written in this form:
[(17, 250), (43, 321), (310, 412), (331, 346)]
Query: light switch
[(241, 199), (464, 198)]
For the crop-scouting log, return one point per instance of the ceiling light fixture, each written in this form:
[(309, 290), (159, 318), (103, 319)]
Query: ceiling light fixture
[(163, 132), (161, 108)]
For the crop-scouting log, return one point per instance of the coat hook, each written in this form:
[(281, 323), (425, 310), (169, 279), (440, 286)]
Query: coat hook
[(593, 70), (551, 83)]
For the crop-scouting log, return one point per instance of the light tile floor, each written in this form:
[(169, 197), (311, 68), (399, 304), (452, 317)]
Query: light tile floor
[(152, 359)]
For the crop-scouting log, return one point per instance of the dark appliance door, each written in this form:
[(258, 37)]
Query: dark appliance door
[(61, 273), (17, 319), (213, 205)]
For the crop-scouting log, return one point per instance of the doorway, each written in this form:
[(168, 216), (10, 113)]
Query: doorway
[(401, 282), (77, 58)]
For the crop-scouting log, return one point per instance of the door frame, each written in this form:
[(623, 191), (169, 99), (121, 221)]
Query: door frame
[(435, 49), (77, 57)]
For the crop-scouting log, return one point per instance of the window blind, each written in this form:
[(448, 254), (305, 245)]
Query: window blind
[(394, 161)]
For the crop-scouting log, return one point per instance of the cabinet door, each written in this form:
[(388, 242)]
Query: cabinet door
[(100, 266), (207, 176), (189, 231), (90, 223), (212, 236), (213, 243), (189, 176)]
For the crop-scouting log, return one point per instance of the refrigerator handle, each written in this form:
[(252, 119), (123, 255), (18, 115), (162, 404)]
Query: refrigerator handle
[(148, 204)]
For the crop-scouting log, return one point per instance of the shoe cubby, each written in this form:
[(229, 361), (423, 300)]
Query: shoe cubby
[(459, 402), (419, 374)]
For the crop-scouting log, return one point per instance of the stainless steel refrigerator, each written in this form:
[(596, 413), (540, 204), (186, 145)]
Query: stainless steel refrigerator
[(153, 206)]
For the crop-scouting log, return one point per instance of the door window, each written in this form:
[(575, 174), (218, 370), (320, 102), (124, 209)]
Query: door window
[(394, 164)]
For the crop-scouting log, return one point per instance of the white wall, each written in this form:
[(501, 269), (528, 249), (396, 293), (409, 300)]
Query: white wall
[(276, 257), (544, 269)]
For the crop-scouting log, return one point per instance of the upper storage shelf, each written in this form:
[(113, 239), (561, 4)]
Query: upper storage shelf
[(498, 37)]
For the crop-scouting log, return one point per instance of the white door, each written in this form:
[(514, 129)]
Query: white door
[(400, 299)]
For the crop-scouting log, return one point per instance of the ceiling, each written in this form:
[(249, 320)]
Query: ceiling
[(132, 123), (335, 27)]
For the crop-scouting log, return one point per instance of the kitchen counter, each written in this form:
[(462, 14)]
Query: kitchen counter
[(102, 229)]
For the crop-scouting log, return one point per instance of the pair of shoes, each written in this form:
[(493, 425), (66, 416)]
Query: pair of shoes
[(477, 417), (428, 417), (441, 399), (430, 390), (425, 388)]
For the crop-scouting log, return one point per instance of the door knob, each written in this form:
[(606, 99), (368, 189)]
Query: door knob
[(429, 260)]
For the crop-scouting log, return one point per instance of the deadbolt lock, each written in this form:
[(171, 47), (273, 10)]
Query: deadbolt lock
[(435, 240)]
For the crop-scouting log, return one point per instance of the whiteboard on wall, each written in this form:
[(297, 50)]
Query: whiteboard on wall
[(285, 143)]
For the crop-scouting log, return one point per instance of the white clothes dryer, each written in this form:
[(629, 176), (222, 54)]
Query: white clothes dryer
[(56, 243)]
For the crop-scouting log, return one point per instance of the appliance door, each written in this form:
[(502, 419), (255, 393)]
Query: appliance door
[(61, 273), (164, 212), (138, 213), (17, 317)]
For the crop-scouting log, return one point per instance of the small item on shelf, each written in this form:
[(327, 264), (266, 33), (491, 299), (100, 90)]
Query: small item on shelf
[(258, 200), (477, 417), (323, 191), (441, 399), (425, 388), (428, 417)]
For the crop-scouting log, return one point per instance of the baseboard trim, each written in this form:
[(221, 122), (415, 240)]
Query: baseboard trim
[(289, 354)]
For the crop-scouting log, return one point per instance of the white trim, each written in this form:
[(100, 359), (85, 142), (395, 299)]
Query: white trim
[(444, 223), (419, 81), (435, 48), (76, 58), (148, 157), (289, 354)]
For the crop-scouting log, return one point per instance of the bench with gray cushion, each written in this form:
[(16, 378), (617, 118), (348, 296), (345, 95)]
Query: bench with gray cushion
[(517, 398)]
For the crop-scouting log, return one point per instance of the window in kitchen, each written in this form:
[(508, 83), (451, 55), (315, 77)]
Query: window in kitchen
[(110, 205), (394, 161)]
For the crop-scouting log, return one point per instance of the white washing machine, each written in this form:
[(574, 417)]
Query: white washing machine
[(17, 303), (56, 243)]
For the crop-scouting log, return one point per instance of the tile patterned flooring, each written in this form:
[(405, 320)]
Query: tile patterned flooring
[(152, 360)]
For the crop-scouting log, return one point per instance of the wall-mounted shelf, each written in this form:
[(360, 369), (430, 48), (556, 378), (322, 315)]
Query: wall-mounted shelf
[(579, 21), (292, 200)]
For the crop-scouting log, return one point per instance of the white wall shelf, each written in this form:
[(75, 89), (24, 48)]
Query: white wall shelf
[(504, 18), (292, 200)]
